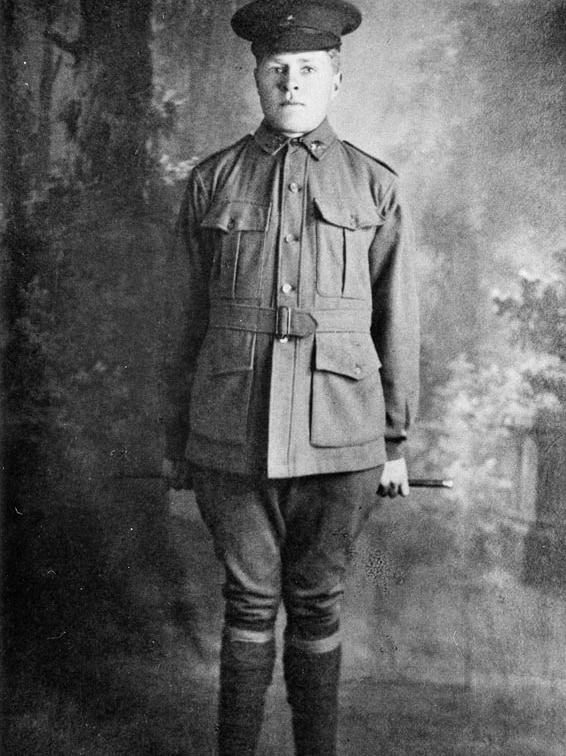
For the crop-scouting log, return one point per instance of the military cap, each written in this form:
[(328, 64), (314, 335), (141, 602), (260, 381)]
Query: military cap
[(295, 25)]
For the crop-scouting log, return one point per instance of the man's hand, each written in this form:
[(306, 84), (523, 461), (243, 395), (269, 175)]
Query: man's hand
[(177, 474), (395, 479)]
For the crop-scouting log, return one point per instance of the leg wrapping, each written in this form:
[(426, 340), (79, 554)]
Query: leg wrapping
[(246, 670), (312, 691)]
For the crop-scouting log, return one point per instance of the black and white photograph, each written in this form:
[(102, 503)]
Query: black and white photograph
[(283, 397)]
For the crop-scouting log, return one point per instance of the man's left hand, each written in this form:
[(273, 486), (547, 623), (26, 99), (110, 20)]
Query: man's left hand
[(394, 479)]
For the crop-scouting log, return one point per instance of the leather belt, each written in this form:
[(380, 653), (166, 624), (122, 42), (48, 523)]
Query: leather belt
[(288, 321)]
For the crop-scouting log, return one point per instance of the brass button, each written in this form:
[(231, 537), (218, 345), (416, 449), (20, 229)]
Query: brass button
[(286, 288), (294, 187), (289, 238)]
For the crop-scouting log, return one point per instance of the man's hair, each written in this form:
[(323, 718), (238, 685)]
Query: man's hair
[(334, 53), (336, 59)]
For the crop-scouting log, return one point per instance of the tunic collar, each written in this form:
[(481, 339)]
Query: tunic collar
[(317, 142)]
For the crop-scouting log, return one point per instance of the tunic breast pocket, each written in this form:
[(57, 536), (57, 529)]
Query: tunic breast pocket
[(343, 237), (239, 229)]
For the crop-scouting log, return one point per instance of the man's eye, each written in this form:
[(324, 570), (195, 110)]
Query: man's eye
[(308, 69)]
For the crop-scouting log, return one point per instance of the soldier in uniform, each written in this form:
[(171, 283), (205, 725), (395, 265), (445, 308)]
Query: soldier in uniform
[(296, 379)]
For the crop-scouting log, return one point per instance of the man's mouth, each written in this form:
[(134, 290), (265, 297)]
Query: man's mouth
[(287, 104)]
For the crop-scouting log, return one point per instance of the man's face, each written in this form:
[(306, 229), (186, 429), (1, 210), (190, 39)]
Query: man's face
[(295, 89)]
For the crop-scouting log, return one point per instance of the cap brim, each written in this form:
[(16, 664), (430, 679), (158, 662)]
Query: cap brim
[(259, 19)]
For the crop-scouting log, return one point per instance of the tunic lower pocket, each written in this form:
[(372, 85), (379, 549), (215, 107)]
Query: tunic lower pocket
[(347, 397), (221, 392)]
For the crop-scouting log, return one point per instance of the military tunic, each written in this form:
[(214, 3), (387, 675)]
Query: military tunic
[(301, 350)]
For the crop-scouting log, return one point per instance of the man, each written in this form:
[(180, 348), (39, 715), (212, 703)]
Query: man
[(298, 372)]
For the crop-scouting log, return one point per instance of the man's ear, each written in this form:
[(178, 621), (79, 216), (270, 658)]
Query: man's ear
[(336, 84)]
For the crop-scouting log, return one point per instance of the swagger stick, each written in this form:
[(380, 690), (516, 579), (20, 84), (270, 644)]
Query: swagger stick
[(431, 483), (413, 482)]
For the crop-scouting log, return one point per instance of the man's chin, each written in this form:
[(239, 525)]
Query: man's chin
[(292, 125)]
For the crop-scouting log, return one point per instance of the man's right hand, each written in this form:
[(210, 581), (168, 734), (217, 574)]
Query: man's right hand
[(177, 474)]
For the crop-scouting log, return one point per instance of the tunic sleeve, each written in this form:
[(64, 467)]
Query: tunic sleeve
[(192, 266), (395, 318)]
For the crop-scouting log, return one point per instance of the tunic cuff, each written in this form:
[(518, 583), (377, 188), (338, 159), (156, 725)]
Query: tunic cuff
[(395, 448), (176, 433)]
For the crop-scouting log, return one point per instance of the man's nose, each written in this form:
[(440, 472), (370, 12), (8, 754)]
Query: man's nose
[(289, 82)]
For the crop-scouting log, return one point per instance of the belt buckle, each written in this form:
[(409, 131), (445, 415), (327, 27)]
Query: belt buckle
[(283, 324)]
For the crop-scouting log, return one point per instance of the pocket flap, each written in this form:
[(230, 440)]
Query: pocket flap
[(349, 354), (227, 351), (237, 215), (360, 216)]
